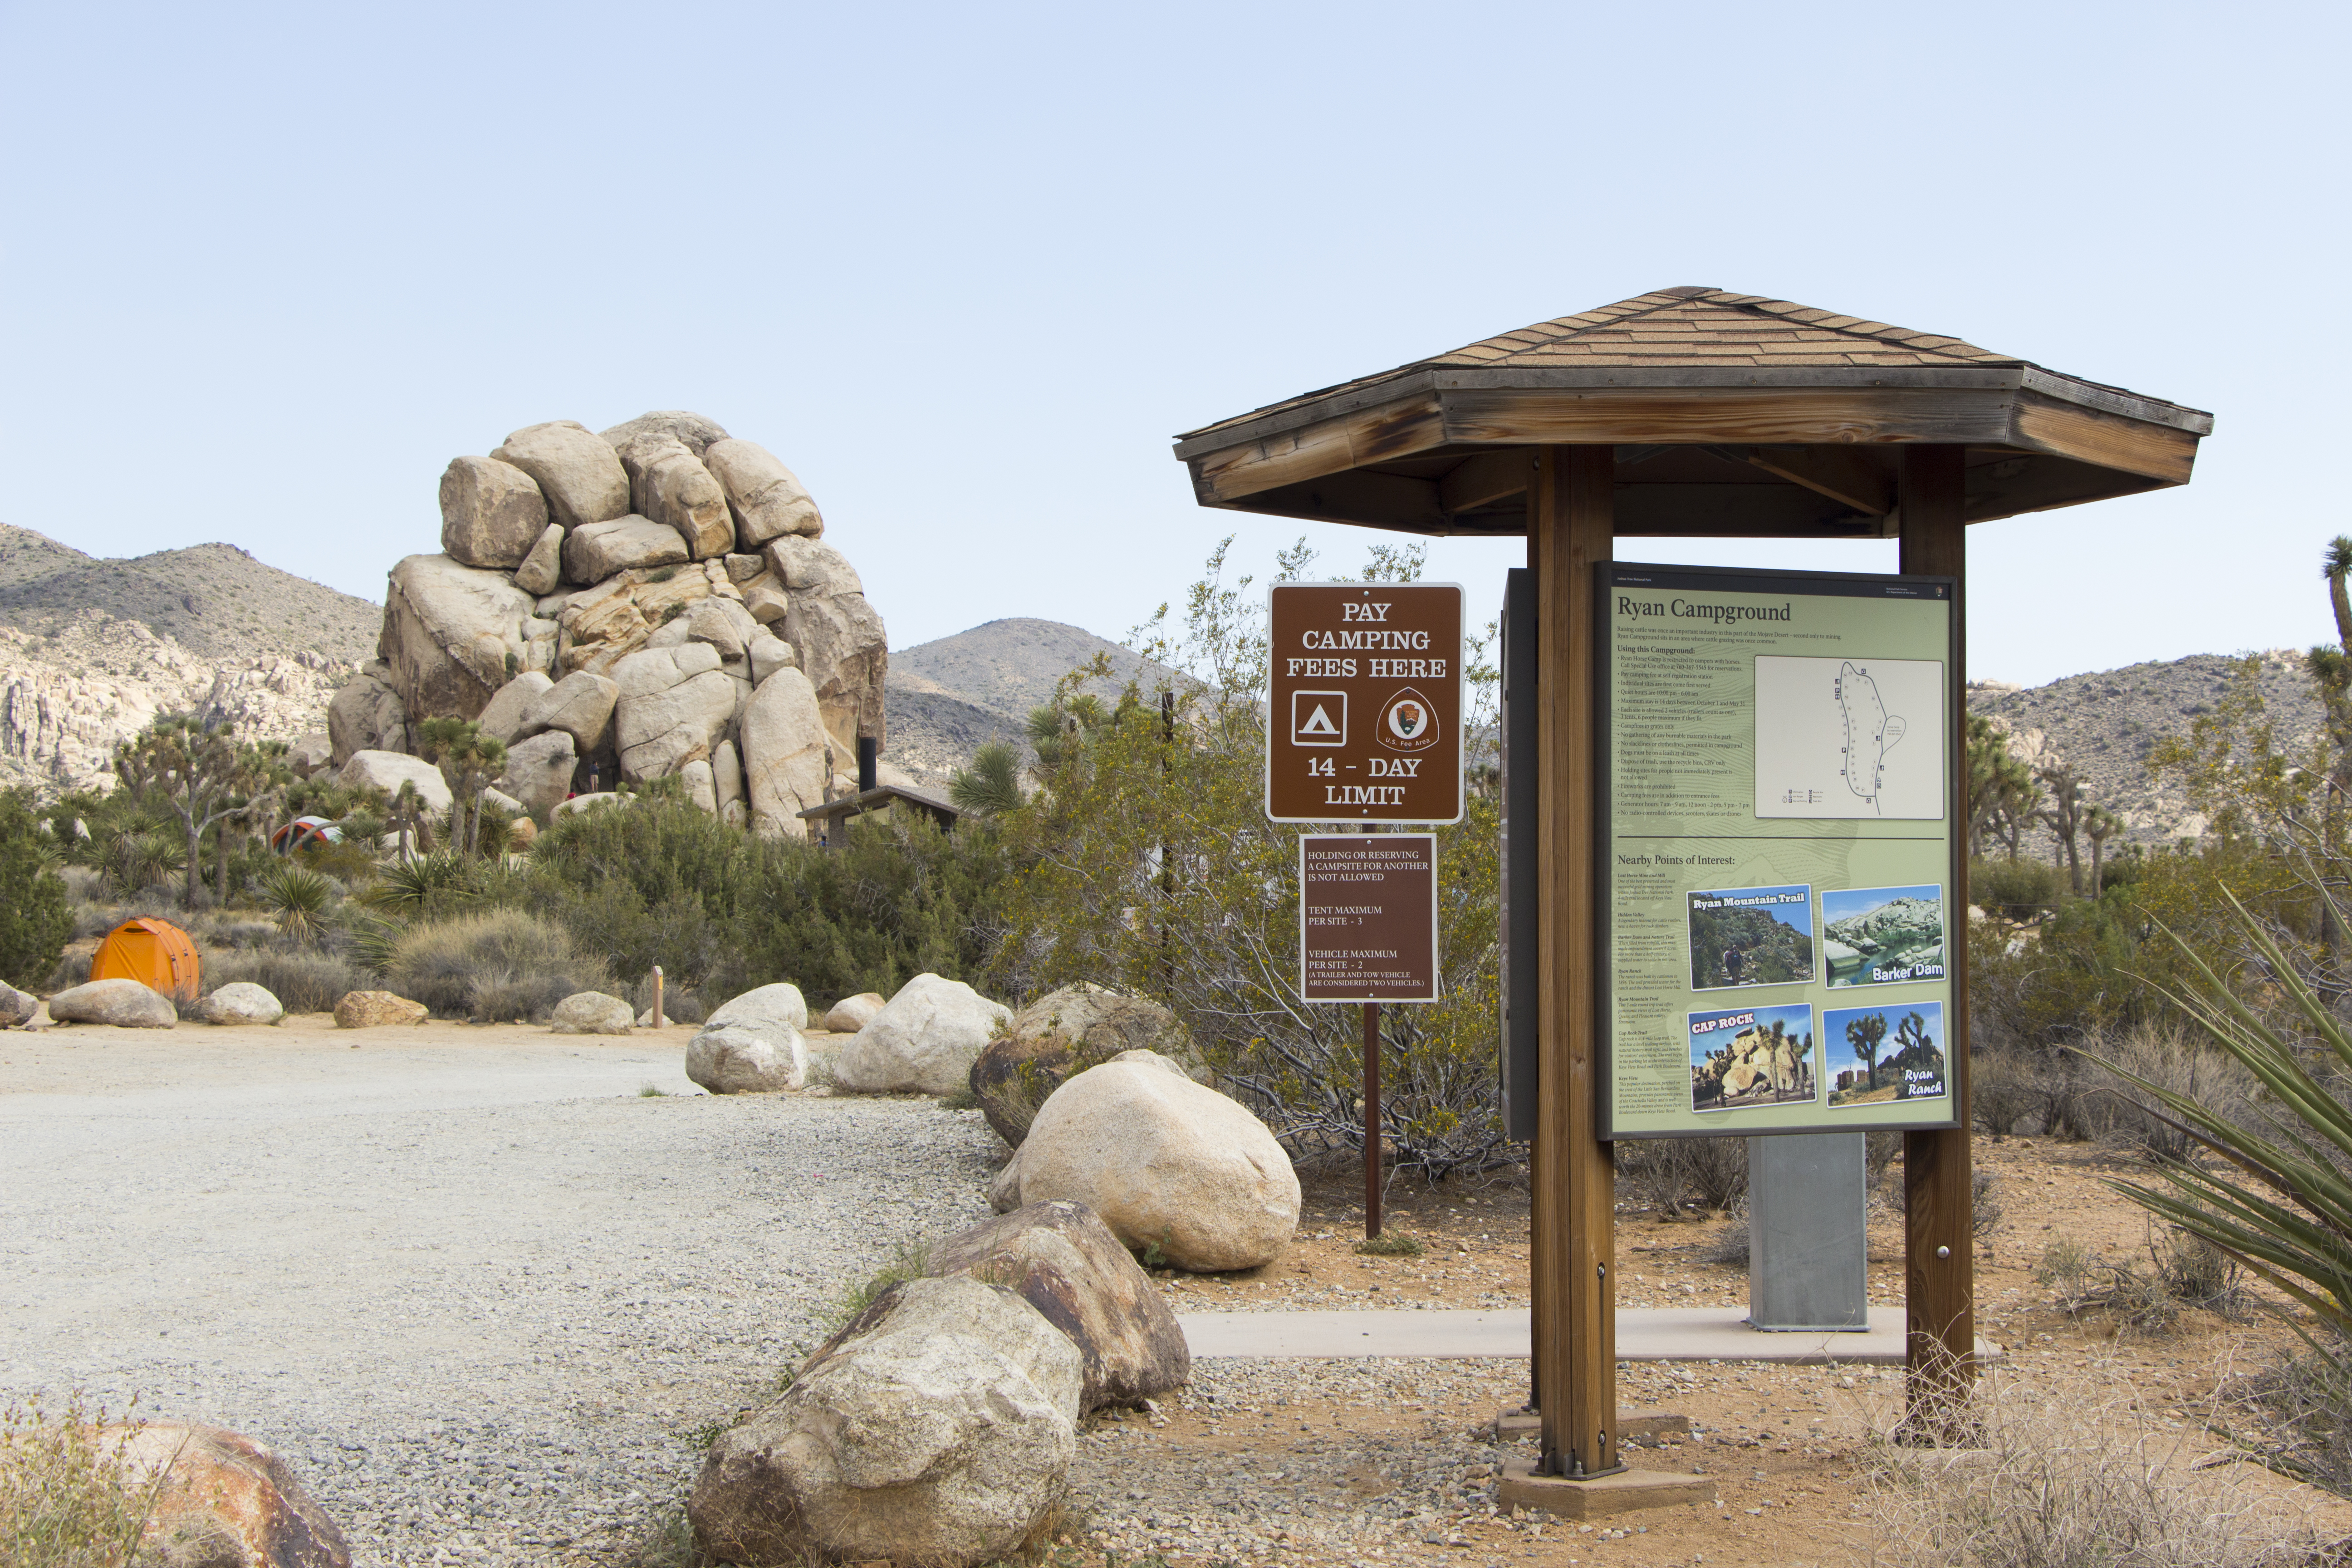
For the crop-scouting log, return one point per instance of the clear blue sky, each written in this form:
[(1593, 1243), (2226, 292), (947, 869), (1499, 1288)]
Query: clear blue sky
[(264, 272)]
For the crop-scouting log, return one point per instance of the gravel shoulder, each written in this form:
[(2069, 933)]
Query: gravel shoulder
[(479, 1288)]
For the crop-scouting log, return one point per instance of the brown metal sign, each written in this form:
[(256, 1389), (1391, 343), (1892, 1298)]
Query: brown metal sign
[(1367, 916), (1365, 721)]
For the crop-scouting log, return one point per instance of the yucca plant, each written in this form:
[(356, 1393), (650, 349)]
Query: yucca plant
[(413, 884), (296, 896), (2279, 1200)]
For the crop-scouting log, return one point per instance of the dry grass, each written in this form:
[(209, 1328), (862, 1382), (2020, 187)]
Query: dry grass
[(69, 1497), (2059, 1477), (499, 965)]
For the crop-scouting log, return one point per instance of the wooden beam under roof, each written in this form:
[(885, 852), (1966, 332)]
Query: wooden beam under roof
[(1485, 478), (1861, 477)]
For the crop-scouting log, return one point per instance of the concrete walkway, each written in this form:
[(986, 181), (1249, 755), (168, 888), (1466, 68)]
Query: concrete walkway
[(1643, 1334)]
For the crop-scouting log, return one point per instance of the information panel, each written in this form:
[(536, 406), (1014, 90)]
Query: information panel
[(1367, 916), (1774, 899), (1365, 719)]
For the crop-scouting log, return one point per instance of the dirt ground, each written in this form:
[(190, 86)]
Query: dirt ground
[(1782, 1442)]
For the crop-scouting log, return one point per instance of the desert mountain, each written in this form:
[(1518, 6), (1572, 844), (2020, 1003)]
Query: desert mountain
[(2106, 722), (91, 649), (951, 697)]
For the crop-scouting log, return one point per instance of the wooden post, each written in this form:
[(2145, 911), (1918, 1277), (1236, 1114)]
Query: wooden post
[(657, 997), (1372, 1121), (1939, 1274), (1571, 515)]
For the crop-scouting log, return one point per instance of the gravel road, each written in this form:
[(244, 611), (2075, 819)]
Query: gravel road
[(478, 1288)]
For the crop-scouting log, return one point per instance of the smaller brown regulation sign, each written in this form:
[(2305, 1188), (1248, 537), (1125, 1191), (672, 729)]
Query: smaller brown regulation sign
[(1365, 721), (1367, 916)]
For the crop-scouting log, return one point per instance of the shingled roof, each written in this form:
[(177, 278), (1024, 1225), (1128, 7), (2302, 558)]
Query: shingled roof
[(1689, 326), (1718, 377)]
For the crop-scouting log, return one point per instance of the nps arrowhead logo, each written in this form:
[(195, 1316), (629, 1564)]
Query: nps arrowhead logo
[(1408, 723)]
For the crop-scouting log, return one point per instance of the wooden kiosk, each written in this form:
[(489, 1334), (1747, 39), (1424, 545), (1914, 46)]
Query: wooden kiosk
[(1691, 413)]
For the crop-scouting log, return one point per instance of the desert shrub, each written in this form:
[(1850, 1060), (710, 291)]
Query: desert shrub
[(299, 898), (414, 887), (2023, 890), (2148, 1295), (2050, 1480), (2127, 1076), (661, 881), (1676, 1175), (1985, 1210), (1146, 863), (72, 970), (34, 918), (69, 1497), (503, 961), (2005, 1090), (1728, 1246), (302, 981)]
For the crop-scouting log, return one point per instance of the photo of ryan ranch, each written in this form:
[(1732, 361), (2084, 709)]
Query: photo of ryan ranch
[(1751, 936), (1871, 1055), (1882, 936), (1755, 1055)]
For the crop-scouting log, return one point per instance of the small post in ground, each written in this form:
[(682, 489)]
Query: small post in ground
[(657, 982)]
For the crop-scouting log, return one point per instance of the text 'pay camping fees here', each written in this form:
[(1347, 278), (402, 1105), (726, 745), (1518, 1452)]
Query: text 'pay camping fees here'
[(1365, 723)]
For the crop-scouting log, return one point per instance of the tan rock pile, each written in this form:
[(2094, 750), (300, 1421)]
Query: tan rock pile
[(655, 600)]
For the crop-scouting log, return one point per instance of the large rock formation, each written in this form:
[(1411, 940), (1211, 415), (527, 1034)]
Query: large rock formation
[(785, 752), (367, 715), (657, 595)]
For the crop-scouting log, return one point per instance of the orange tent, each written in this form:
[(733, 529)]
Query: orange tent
[(156, 953)]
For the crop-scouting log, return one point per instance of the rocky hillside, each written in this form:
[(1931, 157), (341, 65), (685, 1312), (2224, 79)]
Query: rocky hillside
[(951, 697), (90, 650), (213, 600), (2106, 723)]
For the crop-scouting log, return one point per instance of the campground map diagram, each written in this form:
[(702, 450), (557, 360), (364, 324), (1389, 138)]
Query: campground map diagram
[(1871, 731), (1849, 738)]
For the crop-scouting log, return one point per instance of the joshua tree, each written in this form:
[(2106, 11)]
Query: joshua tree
[(1910, 1035), (2099, 825), (2063, 814), (197, 769), (469, 760), (2330, 670), (1864, 1035)]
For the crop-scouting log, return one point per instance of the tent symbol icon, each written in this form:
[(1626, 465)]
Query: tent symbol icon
[(1318, 718)]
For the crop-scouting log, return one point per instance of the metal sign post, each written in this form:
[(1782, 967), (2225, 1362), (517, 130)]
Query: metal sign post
[(1368, 933)]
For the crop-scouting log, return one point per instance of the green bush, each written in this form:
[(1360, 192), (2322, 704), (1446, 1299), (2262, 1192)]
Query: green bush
[(2022, 889), (492, 965), (1147, 864), (34, 921), (660, 881)]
